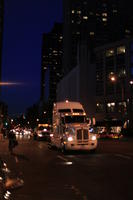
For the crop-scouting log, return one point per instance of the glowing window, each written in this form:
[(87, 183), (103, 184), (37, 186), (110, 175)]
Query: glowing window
[(97, 14), (109, 52), (92, 33), (111, 104), (99, 107), (104, 19), (111, 107), (85, 17), (73, 11), (121, 50), (104, 14), (78, 11)]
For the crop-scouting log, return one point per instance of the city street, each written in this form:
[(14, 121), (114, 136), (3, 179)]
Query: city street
[(50, 175)]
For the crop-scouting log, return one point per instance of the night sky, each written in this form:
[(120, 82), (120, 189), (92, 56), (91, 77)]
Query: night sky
[(24, 23)]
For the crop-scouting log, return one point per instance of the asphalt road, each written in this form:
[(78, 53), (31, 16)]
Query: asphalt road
[(50, 175)]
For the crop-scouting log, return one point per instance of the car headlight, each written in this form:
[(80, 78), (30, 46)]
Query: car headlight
[(70, 138), (51, 135)]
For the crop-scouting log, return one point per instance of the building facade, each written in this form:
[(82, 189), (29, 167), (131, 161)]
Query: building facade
[(96, 21), (51, 68), (79, 84), (114, 81), (105, 88)]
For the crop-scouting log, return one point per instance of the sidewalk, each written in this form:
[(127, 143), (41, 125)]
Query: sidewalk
[(5, 154)]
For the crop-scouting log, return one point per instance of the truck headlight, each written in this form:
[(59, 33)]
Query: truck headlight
[(93, 137), (70, 138)]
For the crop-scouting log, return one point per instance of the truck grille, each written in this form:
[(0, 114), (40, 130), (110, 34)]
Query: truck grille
[(82, 134)]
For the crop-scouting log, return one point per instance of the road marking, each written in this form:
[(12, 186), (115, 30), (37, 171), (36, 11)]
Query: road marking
[(123, 156), (62, 158)]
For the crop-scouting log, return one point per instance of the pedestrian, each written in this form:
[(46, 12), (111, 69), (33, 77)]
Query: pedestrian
[(12, 141)]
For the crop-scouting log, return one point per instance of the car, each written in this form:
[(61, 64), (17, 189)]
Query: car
[(42, 134), (111, 135)]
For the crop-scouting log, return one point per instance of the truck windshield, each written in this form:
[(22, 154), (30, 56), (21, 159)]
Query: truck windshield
[(78, 111), (74, 119)]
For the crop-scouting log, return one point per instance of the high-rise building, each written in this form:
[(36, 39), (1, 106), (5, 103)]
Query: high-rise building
[(99, 22), (51, 69), (114, 81)]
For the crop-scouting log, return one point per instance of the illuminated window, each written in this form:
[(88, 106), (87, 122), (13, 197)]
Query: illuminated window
[(78, 33), (99, 107), (92, 33), (111, 107), (97, 14), (61, 37), (104, 19), (85, 17), (122, 73), (78, 11), (109, 52), (104, 14), (121, 50), (72, 21), (54, 51), (73, 11)]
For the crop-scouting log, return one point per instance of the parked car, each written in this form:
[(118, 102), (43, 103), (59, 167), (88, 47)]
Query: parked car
[(105, 135)]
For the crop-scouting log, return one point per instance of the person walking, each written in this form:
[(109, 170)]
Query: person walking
[(12, 141)]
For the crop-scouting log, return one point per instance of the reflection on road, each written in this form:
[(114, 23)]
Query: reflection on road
[(7, 182)]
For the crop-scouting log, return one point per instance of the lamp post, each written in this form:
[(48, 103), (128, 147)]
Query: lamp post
[(114, 79), (131, 104)]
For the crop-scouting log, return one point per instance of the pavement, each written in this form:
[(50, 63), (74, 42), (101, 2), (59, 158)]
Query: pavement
[(12, 180)]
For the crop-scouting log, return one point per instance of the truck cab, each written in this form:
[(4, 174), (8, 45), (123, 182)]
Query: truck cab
[(70, 129)]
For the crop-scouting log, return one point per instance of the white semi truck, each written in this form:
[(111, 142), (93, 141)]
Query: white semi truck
[(70, 129)]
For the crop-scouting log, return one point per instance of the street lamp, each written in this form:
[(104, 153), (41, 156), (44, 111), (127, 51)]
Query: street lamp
[(114, 79)]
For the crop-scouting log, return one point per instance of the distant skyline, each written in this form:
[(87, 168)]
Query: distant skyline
[(24, 23)]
